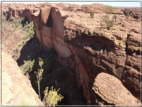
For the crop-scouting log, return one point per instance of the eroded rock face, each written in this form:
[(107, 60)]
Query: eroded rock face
[(50, 30), (16, 88), (134, 12), (91, 49), (111, 90), (107, 51)]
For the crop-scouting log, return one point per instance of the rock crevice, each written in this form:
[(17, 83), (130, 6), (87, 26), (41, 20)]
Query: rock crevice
[(90, 49)]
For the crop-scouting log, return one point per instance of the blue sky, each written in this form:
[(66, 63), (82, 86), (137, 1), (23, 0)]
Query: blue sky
[(122, 4)]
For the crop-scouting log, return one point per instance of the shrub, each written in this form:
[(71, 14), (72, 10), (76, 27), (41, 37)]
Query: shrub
[(30, 31), (131, 15), (109, 23), (31, 64), (51, 97), (106, 19), (27, 75), (114, 17), (127, 13), (109, 9), (91, 14)]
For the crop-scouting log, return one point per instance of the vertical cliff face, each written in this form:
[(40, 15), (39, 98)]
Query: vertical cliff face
[(90, 50), (50, 30), (16, 88)]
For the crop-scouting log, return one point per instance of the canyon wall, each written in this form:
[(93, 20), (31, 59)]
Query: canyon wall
[(16, 87), (91, 50)]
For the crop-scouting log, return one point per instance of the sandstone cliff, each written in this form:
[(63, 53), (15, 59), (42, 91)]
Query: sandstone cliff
[(16, 88), (90, 49)]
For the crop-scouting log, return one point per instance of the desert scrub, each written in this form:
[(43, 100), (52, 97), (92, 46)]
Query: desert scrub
[(109, 9), (39, 75), (51, 97), (106, 19), (109, 22), (91, 14), (30, 30), (128, 13), (27, 67)]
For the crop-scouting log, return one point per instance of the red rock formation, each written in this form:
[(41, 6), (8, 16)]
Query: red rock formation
[(89, 48), (16, 88), (112, 91), (134, 11)]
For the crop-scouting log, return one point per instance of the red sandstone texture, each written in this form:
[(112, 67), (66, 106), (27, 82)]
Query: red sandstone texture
[(16, 88), (92, 50)]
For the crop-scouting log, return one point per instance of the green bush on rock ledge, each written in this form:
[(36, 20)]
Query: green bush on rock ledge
[(106, 19), (109, 9), (91, 14), (109, 22)]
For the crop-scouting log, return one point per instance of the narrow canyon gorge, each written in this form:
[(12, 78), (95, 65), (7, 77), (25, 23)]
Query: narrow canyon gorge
[(104, 64)]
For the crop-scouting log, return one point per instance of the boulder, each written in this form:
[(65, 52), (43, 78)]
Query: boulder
[(112, 91)]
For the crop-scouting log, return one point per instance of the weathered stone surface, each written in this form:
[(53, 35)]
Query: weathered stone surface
[(111, 90), (16, 88), (133, 43), (50, 31), (45, 14), (132, 76), (135, 12), (89, 47)]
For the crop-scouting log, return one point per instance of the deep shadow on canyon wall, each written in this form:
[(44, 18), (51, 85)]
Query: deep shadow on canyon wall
[(54, 74), (89, 53)]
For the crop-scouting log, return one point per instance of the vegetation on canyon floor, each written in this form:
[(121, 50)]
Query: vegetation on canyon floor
[(50, 97)]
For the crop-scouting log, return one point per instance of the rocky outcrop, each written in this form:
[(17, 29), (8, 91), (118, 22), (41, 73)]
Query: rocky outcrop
[(90, 49), (50, 30), (95, 50), (112, 91), (134, 11), (16, 88)]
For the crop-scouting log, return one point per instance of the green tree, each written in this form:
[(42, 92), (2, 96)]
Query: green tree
[(39, 75), (51, 97)]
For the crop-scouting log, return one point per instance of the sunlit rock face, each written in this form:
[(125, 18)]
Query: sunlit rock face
[(91, 49), (16, 87)]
